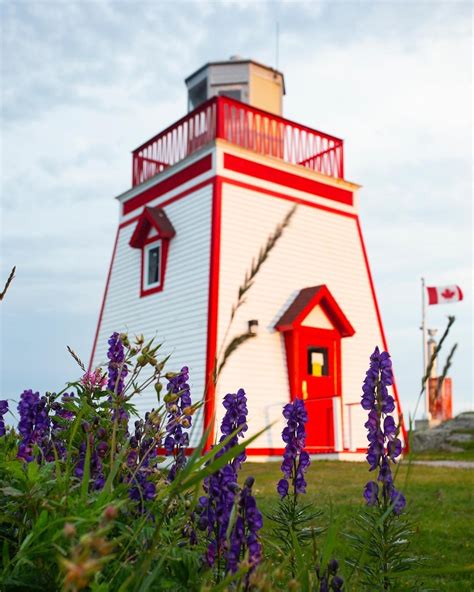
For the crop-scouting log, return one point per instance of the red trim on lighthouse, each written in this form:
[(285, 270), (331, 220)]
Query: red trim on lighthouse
[(306, 300), (194, 170), (267, 173), (171, 200), (213, 301), (297, 200), (151, 218), (382, 332), (106, 289)]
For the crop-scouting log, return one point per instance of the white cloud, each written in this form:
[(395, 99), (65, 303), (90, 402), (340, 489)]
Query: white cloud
[(84, 83)]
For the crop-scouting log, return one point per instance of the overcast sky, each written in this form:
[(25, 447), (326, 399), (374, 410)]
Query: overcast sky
[(85, 82)]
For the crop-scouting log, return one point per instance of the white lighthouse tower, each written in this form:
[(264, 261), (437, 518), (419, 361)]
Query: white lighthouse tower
[(206, 194)]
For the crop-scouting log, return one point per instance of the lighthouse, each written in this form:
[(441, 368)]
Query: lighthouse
[(206, 194)]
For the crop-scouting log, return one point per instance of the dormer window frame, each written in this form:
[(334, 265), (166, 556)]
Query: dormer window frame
[(153, 229), (153, 243), (147, 288)]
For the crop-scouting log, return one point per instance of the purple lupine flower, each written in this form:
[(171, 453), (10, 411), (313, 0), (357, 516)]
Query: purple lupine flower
[(116, 355), (142, 489), (384, 445), (3, 411), (179, 407), (328, 579), (142, 458), (117, 372), (296, 460), (215, 507), (60, 422), (34, 424), (244, 535), (235, 418), (95, 463)]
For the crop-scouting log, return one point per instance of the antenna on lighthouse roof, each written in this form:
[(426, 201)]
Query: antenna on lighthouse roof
[(277, 44)]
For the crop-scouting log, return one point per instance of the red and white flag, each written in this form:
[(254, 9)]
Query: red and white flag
[(444, 294)]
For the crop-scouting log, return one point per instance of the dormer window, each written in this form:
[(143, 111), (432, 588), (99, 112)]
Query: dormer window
[(152, 235), (152, 262)]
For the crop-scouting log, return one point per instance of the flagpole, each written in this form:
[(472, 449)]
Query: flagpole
[(425, 347)]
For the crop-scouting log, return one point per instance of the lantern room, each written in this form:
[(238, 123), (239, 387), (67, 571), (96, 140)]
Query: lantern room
[(246, 81)]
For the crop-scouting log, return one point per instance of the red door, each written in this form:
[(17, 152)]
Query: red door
[(319, 354)]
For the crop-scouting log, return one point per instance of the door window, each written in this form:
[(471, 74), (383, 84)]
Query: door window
[(318, 361)]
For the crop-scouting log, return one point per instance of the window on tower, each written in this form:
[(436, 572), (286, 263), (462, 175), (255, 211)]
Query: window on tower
[(232, 93), (197, 95), (152, 265)]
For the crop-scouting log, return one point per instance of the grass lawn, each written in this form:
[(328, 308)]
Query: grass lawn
[(441, 505)]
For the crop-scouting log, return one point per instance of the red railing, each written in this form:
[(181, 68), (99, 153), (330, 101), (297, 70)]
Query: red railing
[(244, 126)]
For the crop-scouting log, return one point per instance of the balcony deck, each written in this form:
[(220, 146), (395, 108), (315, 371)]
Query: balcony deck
[(245, 126)]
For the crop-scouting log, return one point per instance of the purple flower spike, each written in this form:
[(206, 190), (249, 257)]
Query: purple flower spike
[(34, 425), (3, 411), (179, 407), (116, 355), (283, 487), (371, 493), (117, 373), (244, 535), (295, 460), (384, 445), (221, 488)]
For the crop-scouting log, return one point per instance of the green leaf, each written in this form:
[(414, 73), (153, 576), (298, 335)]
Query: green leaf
[(303, 572), (32, 471), (11, 491)]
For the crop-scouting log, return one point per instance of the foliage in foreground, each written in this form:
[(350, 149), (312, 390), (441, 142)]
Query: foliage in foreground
[(93, 499)]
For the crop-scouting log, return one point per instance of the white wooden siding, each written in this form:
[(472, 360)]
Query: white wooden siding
[(178, 314), (318, 247)]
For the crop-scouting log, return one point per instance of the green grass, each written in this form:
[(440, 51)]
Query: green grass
[(463, 455), (441, 505)]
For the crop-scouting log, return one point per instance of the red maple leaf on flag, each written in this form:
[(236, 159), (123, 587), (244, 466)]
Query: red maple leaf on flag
[(447, 293)]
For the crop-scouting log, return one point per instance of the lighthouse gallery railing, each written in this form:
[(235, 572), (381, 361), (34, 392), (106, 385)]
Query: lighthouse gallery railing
[(244, 126)]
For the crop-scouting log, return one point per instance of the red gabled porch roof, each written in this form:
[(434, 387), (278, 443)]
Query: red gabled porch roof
[(151, 218), (306, 300)]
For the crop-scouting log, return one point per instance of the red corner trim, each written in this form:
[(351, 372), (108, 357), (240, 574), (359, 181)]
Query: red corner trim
[(194, 170), (382, 332), (104, 299), (212, 317), (267, 173)]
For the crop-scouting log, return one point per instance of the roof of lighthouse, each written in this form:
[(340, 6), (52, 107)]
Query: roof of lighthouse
[(237, 60)]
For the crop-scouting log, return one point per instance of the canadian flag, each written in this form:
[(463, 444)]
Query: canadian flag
[(444, 294)]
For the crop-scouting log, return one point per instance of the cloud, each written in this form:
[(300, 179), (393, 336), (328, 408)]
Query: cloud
[(85, 82)]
